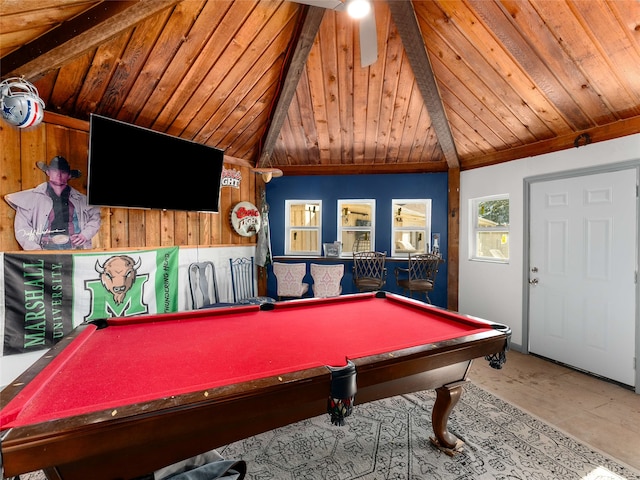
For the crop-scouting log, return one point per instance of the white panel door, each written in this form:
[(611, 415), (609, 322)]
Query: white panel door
[(583, 244)]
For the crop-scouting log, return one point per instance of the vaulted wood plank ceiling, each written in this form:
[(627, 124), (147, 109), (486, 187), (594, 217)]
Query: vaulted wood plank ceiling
[(457, 83)]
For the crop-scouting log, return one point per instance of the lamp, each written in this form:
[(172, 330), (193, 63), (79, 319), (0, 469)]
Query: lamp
[(358, 8)]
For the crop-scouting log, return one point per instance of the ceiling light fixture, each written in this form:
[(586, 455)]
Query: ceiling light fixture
[(358, 8)]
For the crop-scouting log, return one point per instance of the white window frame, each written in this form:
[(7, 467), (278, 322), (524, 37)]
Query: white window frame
[(426, 232), (289, 228), (475, 229), (365, 228)]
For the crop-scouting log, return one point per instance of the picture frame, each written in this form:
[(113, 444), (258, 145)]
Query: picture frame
[(332, 249)]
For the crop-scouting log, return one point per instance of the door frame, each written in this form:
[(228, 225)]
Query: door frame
[(526, 266)]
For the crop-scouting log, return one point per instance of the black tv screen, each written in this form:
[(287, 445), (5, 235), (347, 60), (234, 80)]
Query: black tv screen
[(135, 167)]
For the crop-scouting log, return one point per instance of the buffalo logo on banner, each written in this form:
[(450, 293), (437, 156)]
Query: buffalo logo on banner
[(119, 281), (47, 296)]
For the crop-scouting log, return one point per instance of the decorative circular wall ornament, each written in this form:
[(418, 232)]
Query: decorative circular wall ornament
[(246, 219)]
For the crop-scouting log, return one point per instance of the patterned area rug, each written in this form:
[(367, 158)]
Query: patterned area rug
[(389, 439)]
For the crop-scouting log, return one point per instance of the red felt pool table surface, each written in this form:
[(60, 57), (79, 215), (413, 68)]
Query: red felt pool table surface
[(126, 368)]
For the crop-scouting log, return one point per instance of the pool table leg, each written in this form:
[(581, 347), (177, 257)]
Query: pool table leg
[(447, 397)]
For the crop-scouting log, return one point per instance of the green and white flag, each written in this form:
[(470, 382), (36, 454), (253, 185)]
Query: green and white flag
[(47, 295)]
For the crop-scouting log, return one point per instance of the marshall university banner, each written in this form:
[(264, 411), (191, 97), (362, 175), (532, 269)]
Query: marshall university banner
[(48, 295)]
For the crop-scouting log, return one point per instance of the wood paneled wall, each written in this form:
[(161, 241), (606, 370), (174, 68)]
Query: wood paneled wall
[(121, 228)]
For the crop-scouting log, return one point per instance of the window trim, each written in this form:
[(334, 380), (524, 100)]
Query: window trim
[(371, 202), (288, 227), (475, 229), (427, 227)]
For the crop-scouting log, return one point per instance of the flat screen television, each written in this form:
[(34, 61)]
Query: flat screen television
[(135, 167)]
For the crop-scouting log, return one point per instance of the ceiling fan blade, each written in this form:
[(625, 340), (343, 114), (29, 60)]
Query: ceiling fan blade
[(368, 34), (368, 40), (329, 4)]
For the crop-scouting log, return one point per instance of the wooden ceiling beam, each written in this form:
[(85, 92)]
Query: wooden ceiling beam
[(75, 36), (406, 22), (312, 17)]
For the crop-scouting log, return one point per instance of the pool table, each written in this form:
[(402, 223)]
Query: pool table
[(122, 397)]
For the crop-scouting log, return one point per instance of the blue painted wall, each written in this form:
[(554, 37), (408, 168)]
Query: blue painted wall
[(383, 188)]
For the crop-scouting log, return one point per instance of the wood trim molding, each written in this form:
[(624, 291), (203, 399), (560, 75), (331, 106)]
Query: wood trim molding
[(64, 121), (453, 239), (610, 131), (364, 169)]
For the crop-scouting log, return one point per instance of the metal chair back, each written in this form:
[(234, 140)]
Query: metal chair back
[(420, 276), (369, 271)]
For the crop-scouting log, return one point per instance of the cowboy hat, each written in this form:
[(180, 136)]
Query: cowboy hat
[(59, 163)]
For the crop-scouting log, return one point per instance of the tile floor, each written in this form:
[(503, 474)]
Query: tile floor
[(602, 414)]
